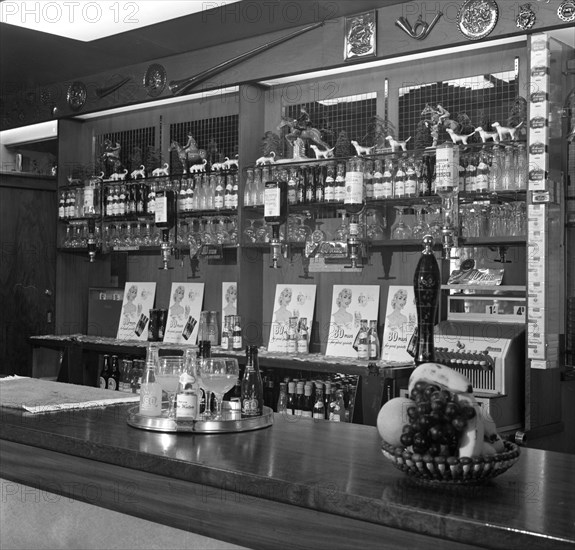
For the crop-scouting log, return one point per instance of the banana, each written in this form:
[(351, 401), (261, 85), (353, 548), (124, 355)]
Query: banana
[(491, 435), (434, 373), (471, 440)]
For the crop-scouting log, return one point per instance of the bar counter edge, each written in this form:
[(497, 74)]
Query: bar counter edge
[(315, 484)]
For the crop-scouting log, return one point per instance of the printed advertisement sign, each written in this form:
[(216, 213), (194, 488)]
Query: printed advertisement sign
[(350, 304), (229, 301), (134, 318), (400, 322), (293, 306), (184, 313)]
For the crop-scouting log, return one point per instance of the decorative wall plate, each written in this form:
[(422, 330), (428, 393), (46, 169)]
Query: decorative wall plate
[(566, 11), (526, 18), (155, 79), (477, 18), (76, 96)]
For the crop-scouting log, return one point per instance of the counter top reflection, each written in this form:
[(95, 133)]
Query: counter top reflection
[(319, 480)]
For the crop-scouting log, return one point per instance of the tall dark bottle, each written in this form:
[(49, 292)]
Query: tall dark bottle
[(427, 285), (252, 386)]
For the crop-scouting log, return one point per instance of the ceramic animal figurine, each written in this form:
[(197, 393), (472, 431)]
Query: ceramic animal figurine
[(322, 153), (270, 159), (164, 171), (139, 173), (360, 149), (397, 145), (504, 131), (458, 138), (119, 176), (228, 163), (216, 166), (485, 135), (200, 167)]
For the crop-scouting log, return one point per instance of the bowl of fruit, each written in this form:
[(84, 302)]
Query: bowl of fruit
[(440, 433)]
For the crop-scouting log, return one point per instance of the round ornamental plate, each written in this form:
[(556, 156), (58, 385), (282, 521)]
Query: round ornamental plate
[(76, 96), (155, 79), (566, 11), (526, 18), (477, 18)]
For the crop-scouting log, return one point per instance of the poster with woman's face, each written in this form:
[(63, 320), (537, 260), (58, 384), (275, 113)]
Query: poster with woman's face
[(350, 305), (400, 322), (295, 304), (138, 300), (184, 313), (229, 301)]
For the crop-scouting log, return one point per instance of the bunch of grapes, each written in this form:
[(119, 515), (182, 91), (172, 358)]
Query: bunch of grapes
[(436, 421)]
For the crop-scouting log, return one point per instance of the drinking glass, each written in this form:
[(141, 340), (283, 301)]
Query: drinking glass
[(168, 375), (420, 229), (342, 232), (218, 375), (250, 231), (401, 230)]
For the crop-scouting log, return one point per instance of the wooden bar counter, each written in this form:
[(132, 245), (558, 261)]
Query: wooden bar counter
[(297, 484)]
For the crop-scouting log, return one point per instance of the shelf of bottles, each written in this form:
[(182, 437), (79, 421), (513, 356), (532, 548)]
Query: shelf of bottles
[(124, 212), (401, 204)]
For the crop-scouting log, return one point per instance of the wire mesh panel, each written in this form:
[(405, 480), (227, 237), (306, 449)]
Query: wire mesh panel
[(218, 137), (462, 105), (126, 150), (339, 118)]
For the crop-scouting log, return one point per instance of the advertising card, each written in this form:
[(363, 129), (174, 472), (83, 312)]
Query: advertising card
[(400, 322), (138, 300), (184, 313)]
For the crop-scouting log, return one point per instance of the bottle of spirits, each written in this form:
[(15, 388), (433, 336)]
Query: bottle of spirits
[(298, 407), (327, 399), (151, 203), (226, 340), (292, 336), (410, 179), (114, 379), (373, 341), (399, 182), (309, 185), (187, 400), (329, 185), (62, 206), (237, 342), (282, 404), (387, 180), (340, 182), (292, 186), (291, 398), (252, 400), (307, 402), (303, 336), (319, 173), (217, 183), (354, 199), (378, 180), (362, 342), (426, 284), (319, 405), (482, 175), (234, 200), (269, 393), (337, 408), (106, 371), (150, 390)]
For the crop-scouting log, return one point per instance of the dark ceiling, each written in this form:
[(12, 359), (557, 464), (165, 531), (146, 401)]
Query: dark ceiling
[(30, 59)]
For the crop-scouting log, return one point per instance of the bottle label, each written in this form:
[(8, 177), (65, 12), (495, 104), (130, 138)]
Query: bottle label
[(387, 188), (400, 187), (362, 351), (112, 384), (102, 383), (306, 414), (302, 346), (334, 417), (237, 342), (187, 405), (272, 202), (292, 345), (250, 407), (161, 209), (319, 415), (150, 399), (225, 342), (353, 188)]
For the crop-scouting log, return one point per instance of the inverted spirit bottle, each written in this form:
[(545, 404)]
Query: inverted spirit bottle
[(426, 284)]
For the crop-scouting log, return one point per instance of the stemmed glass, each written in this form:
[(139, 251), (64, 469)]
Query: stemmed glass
[(401, 230), (342, 232), (168, 375), (250, 231), (420, 229), (218, 375), (374, 227)]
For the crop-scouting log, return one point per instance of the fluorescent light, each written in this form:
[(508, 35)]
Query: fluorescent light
[(159, 103), (27, 134), (91, 20), (392, 61)]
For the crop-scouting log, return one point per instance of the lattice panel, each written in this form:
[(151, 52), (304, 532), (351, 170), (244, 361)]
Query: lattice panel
[(217, 136), (470, 102), (128, 150), (352, 115)]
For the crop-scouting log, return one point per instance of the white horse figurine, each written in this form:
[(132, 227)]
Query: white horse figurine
[(360, 149), (397, 145), (164, 171), (504, 131), (140, 172), (458, 138), (200, 167), (322, 153), (270, 159), (485, 135)]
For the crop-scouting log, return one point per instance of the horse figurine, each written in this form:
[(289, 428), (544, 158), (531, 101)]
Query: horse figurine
[(298, 131), (111, 155), (190, 153)]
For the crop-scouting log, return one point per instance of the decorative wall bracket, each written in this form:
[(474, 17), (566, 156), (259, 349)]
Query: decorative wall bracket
[(421, 29)]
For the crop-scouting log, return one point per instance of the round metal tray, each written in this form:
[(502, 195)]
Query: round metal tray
[(232, 422)]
